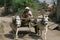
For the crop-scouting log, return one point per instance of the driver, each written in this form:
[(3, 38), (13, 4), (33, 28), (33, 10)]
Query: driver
[(27, 13)]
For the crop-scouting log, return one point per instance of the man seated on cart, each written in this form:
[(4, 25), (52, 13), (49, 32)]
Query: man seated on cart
[(27, 14)]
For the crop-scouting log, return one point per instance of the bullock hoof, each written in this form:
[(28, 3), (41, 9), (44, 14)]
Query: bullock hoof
[(16, 38)]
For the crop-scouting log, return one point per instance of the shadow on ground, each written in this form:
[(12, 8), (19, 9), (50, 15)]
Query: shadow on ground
[(10, 36), (57, 28), (22, 34)]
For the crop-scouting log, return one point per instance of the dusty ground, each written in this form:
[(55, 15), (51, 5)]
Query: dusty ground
[(7, 35), (53, 35)]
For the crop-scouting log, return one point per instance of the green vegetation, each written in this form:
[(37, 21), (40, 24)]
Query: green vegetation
[(19, 5), (1, 25), (1, 2)]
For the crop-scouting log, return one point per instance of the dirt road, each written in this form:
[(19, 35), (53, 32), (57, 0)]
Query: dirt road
[(7, 35)]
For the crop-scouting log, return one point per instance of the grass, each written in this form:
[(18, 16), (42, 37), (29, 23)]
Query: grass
[(1, 25), (35, 12), (1, 28)]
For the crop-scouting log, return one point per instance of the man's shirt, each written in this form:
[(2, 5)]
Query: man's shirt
[(30, 14)]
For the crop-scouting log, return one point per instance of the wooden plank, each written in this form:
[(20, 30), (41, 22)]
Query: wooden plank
[(23, 29), (53, 26), (26, 29)]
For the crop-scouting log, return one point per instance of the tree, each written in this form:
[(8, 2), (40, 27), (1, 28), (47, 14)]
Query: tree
[(21, 4), (18, 5), (43, 7), (1, 2)]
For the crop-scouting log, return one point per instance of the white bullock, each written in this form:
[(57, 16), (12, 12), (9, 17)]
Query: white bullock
[(44, 25), (18, 21)]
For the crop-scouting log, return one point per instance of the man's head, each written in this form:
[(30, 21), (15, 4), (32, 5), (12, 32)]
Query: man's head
[(27, 8)]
